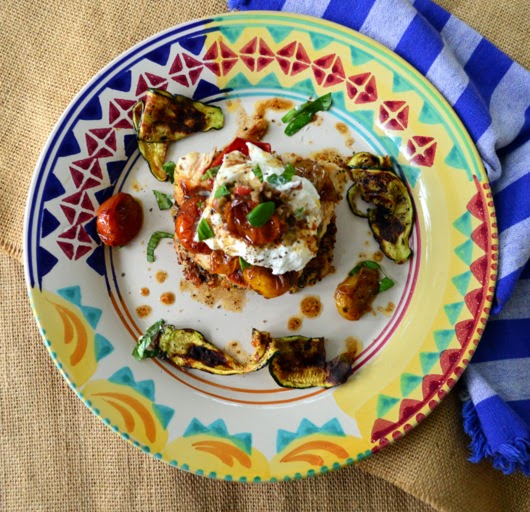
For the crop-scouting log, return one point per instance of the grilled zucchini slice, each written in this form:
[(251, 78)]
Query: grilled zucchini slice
[(168, 117), (294, 361), (300, 362), (154, 153), (165, 117), (393, 216)]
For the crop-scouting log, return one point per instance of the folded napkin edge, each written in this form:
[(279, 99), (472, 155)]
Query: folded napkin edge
[(507, 457)]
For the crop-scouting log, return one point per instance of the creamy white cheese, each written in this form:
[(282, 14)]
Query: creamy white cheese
[(294, 250)]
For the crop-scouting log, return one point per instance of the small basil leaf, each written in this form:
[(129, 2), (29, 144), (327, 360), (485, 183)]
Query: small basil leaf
[(169, 169), (164, 201), (153, 242), (141, 350), (261, 214), (204, 231), (243, 264), (222, 191)]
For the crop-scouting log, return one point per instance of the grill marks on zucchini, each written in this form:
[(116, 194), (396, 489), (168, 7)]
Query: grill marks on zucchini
[(375, 182), (163, 118), (294, 361)]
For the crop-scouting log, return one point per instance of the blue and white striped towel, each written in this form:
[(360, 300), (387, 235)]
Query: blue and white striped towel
[(491, 94)]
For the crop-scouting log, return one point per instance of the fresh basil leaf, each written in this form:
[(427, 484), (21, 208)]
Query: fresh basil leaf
[(211, 173), (169, 169), (164, 201), (261, 214), (304, 115), (153, 243), (243, 264), (141, 350), (204, 231), (222, 191), (258, 173), (285, 177), (385, 284)]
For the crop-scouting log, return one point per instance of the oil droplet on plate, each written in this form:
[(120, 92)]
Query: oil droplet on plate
[(143, 311), (144, 292), (353, 345), (167, 298), (311, 307), (161, 276), (294, 323)]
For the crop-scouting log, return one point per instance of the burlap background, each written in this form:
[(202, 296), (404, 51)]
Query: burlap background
[(54, 454)]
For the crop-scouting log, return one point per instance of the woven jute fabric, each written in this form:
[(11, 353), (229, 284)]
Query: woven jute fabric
[(54, 454)]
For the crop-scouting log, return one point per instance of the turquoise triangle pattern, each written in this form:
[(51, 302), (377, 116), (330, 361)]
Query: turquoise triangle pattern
[(92, 315), (384, 404), (240, 81), (71, 294), (465, 252), (359, 56), (218, 427), (428, 115), (442, 338), (364, 117), (279, 33), (102, 347), (146, 388), (399, 84), (463, 224), (232, 33), (428, 360), (305, 87), (163, 413), (456, 159), (409, 382), (319, 41), (283, 439), (411, 174), (453, 311), (270, 81), (462, 281), (195, 427)]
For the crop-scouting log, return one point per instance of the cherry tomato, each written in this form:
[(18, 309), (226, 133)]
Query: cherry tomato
[(236, 220), (222, 263), (119, 219), (186, 225), (354, 296), (263, 281), (239, 144)]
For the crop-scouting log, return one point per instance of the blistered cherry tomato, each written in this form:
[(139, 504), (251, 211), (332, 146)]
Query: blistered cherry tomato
[(186, 225), (263, 281), (222, 263), (236, 220), (119, 219), (354, 296)]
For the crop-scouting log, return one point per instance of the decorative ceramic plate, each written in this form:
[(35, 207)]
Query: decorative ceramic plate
[(93, 302)]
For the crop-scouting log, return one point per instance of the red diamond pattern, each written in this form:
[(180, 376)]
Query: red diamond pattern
[(220, 59), (75, 242), (394, 115), (148, 80), (120, 113), (328, 70), (185, 73), (256, 54), (422, 150), (100, 142), (361, 88), (293, 58)]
